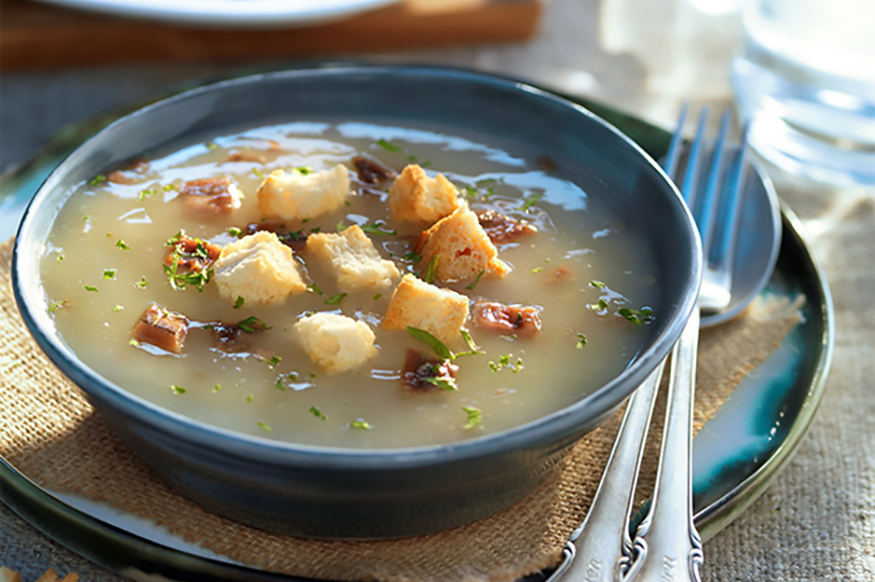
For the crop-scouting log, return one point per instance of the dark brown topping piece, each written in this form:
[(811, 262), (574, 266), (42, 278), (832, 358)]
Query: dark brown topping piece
[(561, 274), (131, 173), (161, 328), (208, 197), (418, 369), (247, 156), (192, 255), (508, 319), (294, 239), (503, 229), (370, 172)]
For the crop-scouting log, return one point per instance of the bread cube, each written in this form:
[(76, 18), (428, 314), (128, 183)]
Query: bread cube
[(336, 342), (354, 259), (259, 268), (462, 248), (415, 303), (295, 196), (415, 197)]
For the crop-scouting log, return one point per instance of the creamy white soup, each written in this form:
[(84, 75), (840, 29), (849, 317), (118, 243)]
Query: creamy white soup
[(587, 282)]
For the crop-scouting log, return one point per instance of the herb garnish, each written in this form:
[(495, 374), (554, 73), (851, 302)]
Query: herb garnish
[(602, 305), (263, 426), (432, 270), (389, 147), (235, 232), (473, 348), (477, 280), (116, 308), (470, 191), (412, 257), (637, 316), (178, 280), (318, 413), (442, 383), (597, 284), (123, 245), (142, 194), (531, 201), (335, 299), (377, 296), (581, 340), (239, 302), (109, 273), (314, 288), (252, 325), (434, 343), (178, 389), (377, 228), (258, 173), (142, 283), (475, 415), (96, 180), (537, 270), (360, 423), (304, 170), (56, 305), (91, 288)]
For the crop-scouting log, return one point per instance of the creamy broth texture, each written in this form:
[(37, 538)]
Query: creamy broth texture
[(103, 266)]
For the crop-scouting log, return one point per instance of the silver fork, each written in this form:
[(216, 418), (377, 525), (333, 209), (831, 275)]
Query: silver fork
[(667, 545)]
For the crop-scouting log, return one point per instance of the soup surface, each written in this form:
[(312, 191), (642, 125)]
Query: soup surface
[(590, 283)]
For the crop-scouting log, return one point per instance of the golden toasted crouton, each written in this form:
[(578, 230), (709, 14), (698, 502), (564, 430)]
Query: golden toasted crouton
[(354, 259), (415, 303), (336, 342), (7, 575), (461, 248), (295, 195), (414, 197), (258, 268)]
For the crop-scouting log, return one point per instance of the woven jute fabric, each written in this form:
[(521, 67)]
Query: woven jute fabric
[(50, 433)]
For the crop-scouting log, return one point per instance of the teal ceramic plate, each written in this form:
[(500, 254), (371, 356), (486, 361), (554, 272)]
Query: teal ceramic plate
[(747, 443)]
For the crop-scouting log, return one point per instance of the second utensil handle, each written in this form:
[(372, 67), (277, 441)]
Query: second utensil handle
[(667, 546)]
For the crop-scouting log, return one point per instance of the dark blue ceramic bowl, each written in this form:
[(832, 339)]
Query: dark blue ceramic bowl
[(336, 493)]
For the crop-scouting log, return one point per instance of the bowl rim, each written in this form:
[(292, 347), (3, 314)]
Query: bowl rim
[(546, 429)]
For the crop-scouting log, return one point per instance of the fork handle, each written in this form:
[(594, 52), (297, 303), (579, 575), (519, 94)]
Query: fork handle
[(667, 545), (601, 545)]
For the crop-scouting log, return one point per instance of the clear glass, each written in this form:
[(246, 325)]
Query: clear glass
[(805, 81)]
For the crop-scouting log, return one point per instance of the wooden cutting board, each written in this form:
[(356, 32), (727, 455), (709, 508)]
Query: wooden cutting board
[(35, 35)]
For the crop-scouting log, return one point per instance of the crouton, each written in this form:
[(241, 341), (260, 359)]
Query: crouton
[(461, 249), (414, 197), (259, 268), (336, 342), (415, 303), (296, 195), (354, 259)]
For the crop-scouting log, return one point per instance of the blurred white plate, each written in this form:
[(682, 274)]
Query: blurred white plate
[(230, 13)]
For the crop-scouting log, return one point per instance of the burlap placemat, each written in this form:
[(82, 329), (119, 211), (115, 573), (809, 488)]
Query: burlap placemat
[(50, 433)]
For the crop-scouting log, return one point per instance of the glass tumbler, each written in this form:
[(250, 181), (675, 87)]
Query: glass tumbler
[(805, 82)]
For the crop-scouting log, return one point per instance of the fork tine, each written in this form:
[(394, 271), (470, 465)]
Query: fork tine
[(707, 214), (722, 251), (670, 165), (693, 169)]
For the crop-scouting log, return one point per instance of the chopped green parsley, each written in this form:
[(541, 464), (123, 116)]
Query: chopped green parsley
[(432, 270), (123, 245), (477, 280), (116, 308), (56, 305), (412, 257), (96, 180), (142, 283), (434, 343), (109, 273), (335, 299), (442, 383), (238, 303), (377, 296), (388, 146), (597, 284), (360, 423), (537, 269), (314, 288), (235, 232), (531, 201), (91, 288), (377, 228), (263, 426), (314, 410), (475, 415), (637, 316), (252, 325), (177, 389), (581, 340)]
